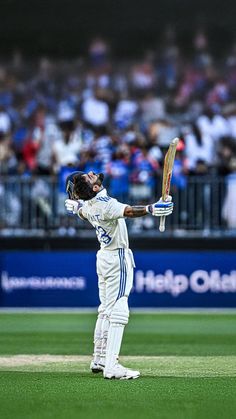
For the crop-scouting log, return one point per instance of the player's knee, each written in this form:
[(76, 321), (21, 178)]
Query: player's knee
[(120, 311)]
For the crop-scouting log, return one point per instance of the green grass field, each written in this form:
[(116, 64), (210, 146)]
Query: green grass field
[(187, 362)]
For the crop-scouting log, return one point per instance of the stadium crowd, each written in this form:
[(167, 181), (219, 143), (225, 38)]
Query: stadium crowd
[(118, 116)]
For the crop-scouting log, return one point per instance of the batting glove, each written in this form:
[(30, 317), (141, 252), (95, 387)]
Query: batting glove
[(161, 208), (72, 206)]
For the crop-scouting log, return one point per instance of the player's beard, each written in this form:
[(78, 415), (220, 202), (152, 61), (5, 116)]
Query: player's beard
[(100, 179)]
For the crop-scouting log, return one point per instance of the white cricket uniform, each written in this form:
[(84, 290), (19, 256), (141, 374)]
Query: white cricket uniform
[(115, 261)]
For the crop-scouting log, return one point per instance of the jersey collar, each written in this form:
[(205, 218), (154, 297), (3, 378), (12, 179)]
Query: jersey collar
[(102, 192)]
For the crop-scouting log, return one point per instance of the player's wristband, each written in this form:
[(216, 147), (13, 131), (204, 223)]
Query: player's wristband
[(149, 209)]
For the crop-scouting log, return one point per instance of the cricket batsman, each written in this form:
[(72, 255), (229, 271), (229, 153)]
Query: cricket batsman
[(115, 263)]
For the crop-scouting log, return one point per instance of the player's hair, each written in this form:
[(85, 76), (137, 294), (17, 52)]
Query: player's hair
[(78, 187), (82, 189)]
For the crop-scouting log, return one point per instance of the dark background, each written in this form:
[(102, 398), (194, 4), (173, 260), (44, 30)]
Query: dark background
[(64, 27)]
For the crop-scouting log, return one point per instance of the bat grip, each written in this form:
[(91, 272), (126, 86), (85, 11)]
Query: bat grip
[(162, 223)]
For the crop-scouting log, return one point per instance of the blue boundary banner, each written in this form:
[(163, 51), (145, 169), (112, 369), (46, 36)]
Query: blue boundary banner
[(162, 279)]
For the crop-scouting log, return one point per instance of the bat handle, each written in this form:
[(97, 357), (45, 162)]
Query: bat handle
[(162, 223)]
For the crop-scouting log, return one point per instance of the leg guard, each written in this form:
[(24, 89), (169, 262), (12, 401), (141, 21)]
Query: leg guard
[(120, 312), (98, 338), (105, 327), (118, 319)]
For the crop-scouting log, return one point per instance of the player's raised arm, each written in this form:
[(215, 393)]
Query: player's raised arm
[(75, 208), (158, 209)]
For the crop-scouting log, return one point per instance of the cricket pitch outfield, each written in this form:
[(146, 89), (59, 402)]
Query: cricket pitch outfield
[(187, 363)]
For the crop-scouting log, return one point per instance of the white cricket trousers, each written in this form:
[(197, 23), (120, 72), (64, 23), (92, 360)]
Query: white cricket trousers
[(115, 280), (115, 276)]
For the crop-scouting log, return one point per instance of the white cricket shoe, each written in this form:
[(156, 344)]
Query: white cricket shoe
[(121, 373), (96, 367)]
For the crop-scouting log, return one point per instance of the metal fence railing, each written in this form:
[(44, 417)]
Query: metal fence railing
[(35, 206)]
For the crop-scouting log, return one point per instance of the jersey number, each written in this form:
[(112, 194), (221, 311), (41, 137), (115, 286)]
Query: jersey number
[(103, 237)]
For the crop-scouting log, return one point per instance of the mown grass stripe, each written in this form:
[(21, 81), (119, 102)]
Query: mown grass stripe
[(150, 366)]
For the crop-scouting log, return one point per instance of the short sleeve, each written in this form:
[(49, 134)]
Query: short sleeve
[(114, 210)]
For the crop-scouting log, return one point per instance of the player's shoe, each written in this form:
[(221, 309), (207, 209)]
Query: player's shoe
[(121, 373), (96, 368)]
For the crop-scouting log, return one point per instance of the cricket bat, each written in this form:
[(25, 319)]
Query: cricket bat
[(167, 173)]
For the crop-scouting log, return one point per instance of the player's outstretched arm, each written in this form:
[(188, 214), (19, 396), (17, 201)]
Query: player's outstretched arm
[(158, 209)]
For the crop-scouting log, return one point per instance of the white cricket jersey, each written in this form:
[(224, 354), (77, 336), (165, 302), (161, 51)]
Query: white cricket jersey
[(106, 215)]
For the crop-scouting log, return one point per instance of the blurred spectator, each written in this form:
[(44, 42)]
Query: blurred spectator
[(41, 196), (95, 112), (5, 121), (202, 56), (143, 171), (68, 143), (198, 146), (8, 160), (10, 208), (102, 145), (89, 161), (46, 139), (229, 206), (213, 124), (226, 152), (166, 130), (152, 108), (168, 61), (118, 171), (98, 52), (143, 76), (126, 112), (229, 112)]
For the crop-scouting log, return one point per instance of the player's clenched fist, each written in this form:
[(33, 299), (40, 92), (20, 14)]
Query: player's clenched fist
[(161, 208), (72, 206)]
